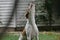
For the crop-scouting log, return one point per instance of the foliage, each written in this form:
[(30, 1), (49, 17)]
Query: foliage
[(44, 6)]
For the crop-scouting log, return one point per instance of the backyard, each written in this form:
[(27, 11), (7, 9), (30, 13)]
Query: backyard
[(42, 36)]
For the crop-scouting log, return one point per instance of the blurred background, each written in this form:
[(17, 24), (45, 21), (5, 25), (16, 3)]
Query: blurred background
[(12, 14), (13, 21)]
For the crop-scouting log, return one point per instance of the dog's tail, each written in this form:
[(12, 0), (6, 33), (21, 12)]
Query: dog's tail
[(21, 37)]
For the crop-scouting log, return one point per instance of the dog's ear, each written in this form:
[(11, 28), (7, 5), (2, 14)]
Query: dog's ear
[(27, 14)]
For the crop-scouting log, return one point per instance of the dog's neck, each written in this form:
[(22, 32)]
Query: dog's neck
[(31, 16), (27, 20)]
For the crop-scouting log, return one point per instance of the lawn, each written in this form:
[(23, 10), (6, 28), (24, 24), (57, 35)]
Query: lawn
[(42, 36)]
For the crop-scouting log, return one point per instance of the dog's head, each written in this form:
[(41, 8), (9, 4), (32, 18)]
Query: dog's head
[(28, 10)]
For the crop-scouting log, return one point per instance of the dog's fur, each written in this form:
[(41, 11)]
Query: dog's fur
[(31, 29)]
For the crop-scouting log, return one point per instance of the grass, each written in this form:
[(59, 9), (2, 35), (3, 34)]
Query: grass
[(10, 37), (42, 36), (49, 36)]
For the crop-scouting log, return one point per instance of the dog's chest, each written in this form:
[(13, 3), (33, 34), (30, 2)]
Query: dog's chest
[(30, 29)]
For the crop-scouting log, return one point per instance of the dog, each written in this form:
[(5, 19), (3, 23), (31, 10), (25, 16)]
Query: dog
[(30, 31)]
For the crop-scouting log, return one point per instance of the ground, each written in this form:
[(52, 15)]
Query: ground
[(42, 36)]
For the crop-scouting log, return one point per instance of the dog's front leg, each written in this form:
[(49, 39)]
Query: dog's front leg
[(28, 35), (37, 36), (37, 32), (21, 37)]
